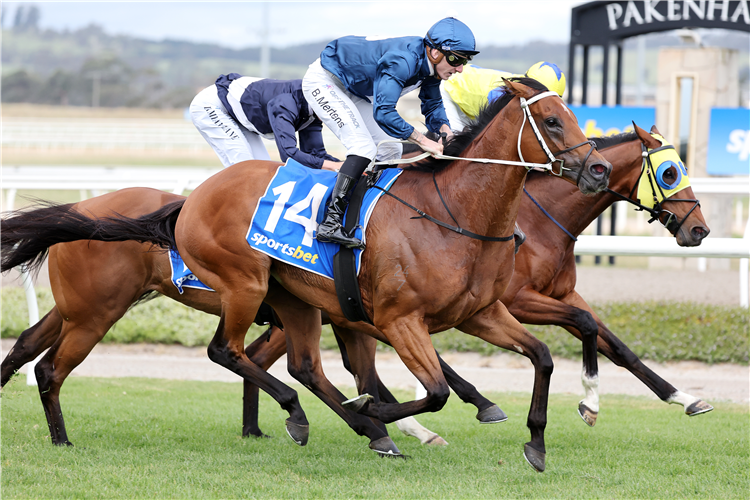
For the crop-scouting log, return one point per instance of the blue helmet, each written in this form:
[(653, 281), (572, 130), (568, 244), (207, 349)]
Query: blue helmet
[(451, 34)]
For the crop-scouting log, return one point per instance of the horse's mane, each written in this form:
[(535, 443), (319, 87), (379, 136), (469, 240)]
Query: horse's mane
[(461, 140), (608, 141)]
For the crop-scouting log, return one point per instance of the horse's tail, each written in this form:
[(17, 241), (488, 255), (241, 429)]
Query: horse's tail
[(26, 235)]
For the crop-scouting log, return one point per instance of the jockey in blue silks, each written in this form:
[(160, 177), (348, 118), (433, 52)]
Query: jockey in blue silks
[(354, 88), (236, 111)]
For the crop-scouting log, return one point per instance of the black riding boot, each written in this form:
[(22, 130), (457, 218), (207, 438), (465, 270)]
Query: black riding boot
[(331, 229)]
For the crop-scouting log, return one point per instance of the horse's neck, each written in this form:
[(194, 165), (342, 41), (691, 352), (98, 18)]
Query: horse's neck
[(488, 194), (576, 211)]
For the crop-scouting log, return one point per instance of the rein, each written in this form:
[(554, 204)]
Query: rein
[(527, 165)]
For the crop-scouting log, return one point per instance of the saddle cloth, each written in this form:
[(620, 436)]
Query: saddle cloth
[(181, 275), (286, 218)]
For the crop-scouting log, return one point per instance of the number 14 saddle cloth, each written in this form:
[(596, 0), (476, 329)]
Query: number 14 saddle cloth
[(287, 216)]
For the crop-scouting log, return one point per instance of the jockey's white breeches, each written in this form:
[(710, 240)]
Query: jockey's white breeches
[(232, 142), (349, 117)]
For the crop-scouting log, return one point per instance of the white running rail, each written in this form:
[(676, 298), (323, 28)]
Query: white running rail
[(180, 179)]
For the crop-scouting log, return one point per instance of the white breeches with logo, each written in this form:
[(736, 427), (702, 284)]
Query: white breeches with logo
[(232, 142), (349, 117)]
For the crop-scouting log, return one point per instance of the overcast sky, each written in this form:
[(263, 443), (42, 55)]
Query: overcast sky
[(240, 24)]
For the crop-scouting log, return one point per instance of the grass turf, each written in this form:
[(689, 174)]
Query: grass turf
[(142, 438)]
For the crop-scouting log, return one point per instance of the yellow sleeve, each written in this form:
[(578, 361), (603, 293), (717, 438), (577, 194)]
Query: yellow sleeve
[(469, 89)]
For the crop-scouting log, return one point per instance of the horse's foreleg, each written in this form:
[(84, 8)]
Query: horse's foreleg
[(302, 329), (31, 343), (368, 381), (494, 324), (409, 337), (534, 308), (264, 352), (489, 412), (619, 353)]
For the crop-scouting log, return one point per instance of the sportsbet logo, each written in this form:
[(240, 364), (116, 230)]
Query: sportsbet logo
[(295, 253)]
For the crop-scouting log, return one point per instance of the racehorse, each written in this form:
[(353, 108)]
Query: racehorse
[(95, 283), (542, 289), (442, 279)]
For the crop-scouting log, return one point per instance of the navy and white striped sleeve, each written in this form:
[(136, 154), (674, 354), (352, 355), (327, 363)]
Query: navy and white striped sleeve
[(283, 112)]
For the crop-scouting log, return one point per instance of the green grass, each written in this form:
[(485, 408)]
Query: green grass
[(140, 438), (659, 331)]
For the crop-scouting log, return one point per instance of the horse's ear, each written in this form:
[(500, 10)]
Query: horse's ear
[(518, 89), (655, 130), (645, 137)]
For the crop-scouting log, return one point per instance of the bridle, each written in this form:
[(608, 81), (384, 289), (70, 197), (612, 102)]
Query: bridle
[(525, 106), (672, 224), (548, 167)]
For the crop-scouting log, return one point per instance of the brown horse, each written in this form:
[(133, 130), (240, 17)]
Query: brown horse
[(542, 289), (442, 279)]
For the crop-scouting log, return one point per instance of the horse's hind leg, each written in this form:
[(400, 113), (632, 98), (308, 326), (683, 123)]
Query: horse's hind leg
[(614, 349), (263, 351), (532, 307), (31, 343), (497, 326), (69, 350)]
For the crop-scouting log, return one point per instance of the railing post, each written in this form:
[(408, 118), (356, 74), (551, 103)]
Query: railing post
[(31, 302)]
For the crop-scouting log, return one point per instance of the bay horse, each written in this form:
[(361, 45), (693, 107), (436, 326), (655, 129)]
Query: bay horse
[(411, 287), (542, 289)]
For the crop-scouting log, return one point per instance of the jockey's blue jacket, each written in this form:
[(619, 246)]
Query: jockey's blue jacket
[(280, 108), (382, 69)]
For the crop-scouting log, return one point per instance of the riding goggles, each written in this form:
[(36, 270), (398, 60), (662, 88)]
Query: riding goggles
[(455, 59)]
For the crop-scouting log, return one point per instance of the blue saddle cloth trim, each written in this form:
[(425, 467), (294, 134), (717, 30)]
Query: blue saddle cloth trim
[(282, 226), (182, 276)]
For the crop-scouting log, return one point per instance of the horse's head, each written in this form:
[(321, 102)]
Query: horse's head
[(664, 189), (554, 137)]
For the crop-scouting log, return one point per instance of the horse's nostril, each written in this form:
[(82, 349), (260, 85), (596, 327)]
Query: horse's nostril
[(699, 232), (598, 169)]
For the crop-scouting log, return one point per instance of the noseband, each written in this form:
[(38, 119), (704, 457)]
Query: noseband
[(552, 157), (672, 224)]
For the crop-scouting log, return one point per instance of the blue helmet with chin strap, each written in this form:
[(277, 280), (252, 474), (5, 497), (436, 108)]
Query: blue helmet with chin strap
[(450, 34)]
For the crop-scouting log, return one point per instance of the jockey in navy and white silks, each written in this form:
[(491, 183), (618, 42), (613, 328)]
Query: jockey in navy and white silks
[(236, 111), (354, 88)]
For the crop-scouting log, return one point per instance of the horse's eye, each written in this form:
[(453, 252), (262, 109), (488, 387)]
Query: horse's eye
[(551, 122), (669, 174)]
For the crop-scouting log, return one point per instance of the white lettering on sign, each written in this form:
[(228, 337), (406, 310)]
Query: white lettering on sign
[(739, 142), (645, 12)]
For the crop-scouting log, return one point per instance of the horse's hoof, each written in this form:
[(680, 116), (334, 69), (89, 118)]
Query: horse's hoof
[(698, 408), (492, 415), (298, 432), (385, 447), (534, 457), (257, 436), (436, 440), (587, 414), (356, 404)]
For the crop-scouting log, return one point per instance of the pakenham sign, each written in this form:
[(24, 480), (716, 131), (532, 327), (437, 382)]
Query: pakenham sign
[(601, 23)]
